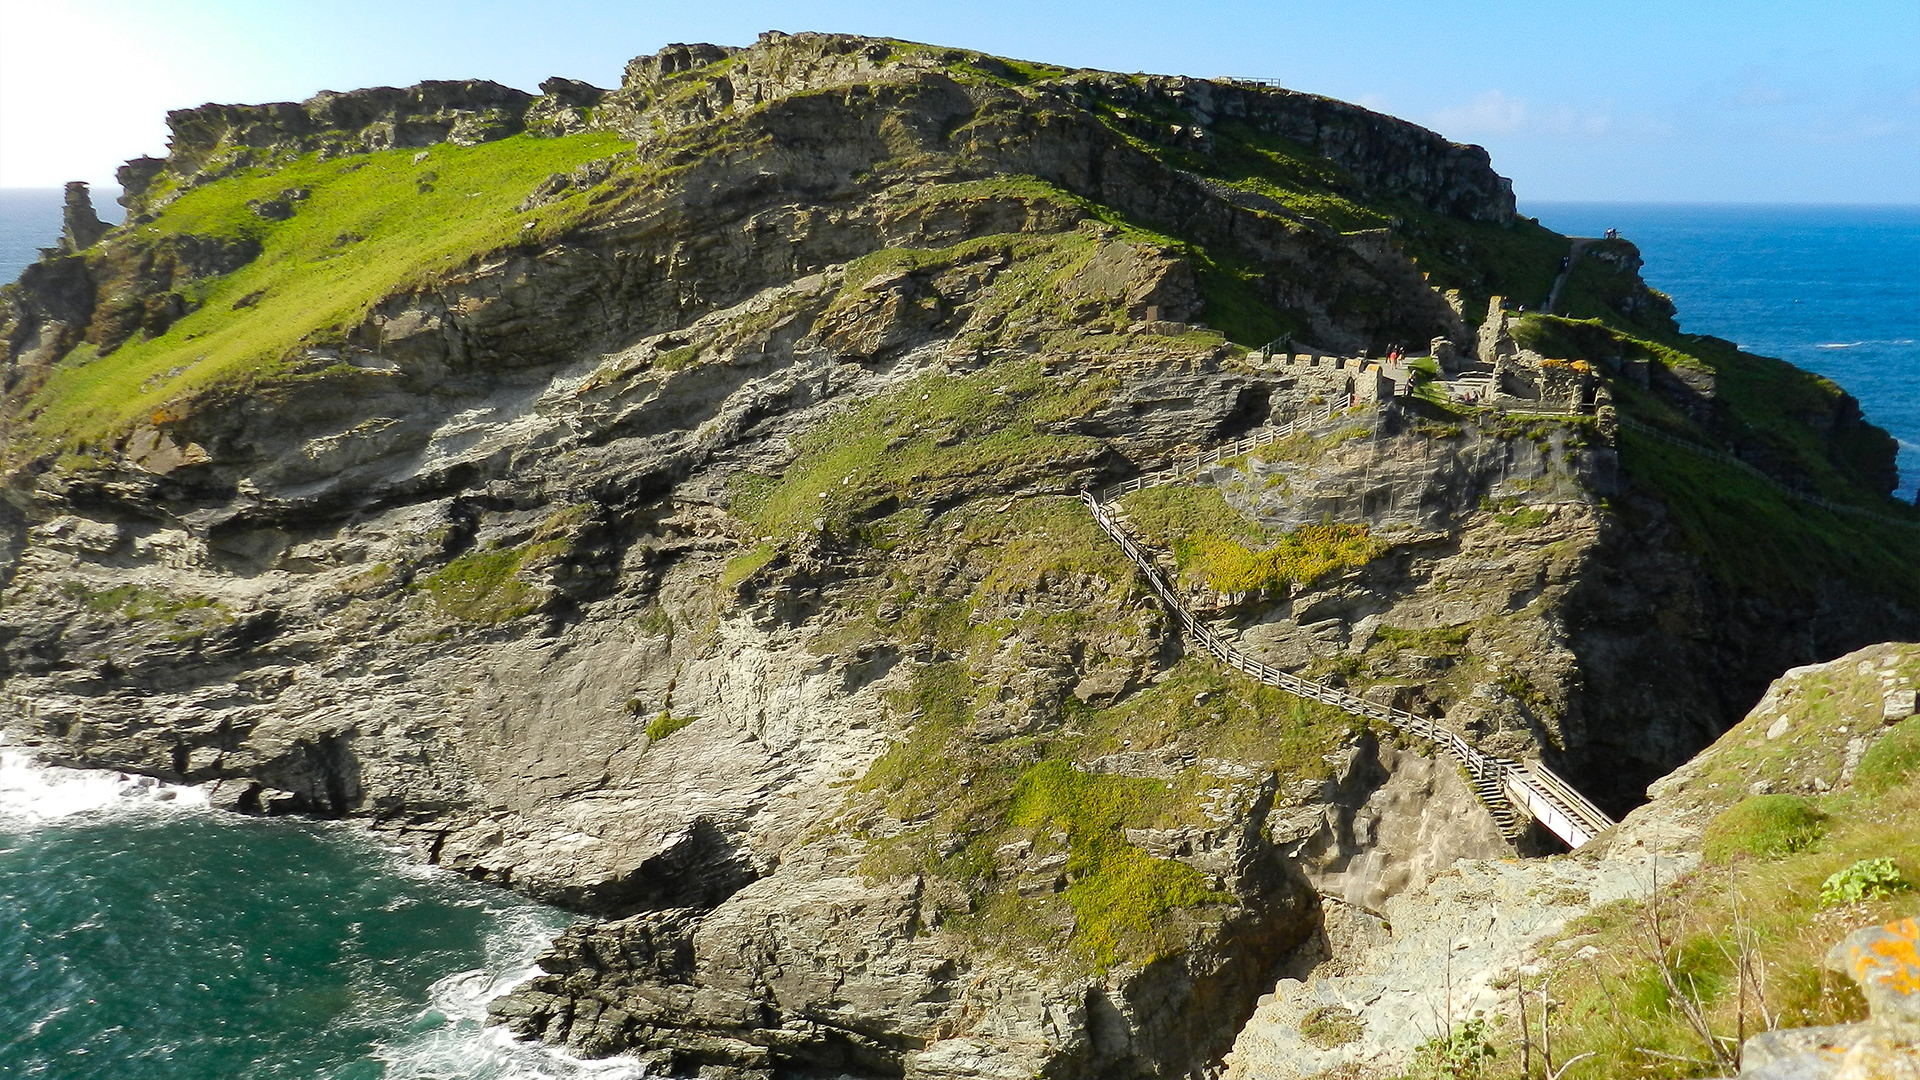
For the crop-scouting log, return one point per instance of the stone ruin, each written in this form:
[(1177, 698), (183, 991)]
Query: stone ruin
[(1522, 377), (1330, 378)]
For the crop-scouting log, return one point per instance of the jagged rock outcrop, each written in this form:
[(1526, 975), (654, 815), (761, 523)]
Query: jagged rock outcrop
[(696, 548), (80, 225)]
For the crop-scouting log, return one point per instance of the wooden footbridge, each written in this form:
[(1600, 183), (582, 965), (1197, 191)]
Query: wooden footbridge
[(1513, 791)]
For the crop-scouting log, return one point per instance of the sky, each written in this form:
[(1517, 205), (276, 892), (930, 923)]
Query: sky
[(1627, 100)]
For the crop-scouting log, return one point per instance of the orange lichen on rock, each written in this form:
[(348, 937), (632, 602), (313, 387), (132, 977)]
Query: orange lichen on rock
[(1885, 961)]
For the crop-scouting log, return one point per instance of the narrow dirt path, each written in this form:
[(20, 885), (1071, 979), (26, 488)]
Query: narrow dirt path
[(1573, 254)]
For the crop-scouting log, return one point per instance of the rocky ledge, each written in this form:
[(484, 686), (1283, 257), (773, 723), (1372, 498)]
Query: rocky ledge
[(682, 530)]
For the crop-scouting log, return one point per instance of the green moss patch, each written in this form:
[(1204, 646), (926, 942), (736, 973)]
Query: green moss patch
[(1331, 1025), (1215, 545), (178, 617), (488, 586), (933, 438), (1118, 893), (745, 565), (666, 724), (1034, 838)]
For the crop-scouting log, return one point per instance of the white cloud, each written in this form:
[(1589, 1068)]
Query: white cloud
[(1497, 115), (1492, 113)]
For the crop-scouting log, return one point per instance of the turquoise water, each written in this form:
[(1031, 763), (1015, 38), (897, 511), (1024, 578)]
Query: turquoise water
[(1834, 289), (147, 938), (142, 938)]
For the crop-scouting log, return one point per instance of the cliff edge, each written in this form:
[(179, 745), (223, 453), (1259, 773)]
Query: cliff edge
[(660, 500)]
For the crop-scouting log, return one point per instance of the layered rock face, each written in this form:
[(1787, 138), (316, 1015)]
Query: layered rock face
[(702, 555)]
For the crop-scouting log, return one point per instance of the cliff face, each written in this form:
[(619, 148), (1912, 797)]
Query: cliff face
[(658, 500)]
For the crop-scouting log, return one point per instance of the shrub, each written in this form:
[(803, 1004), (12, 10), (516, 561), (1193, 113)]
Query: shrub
[(1868, 879), (1457, 1056), (1891, 760), (1767, 826), (1329, 1026)]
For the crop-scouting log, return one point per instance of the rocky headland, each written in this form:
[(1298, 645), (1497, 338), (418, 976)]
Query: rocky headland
[(660, 500)]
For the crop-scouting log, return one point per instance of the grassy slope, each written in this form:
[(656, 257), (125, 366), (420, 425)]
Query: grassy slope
[(1754, 537), (1617, 1007), (375, 224)]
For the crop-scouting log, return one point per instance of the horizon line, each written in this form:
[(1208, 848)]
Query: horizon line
[(1872, 204)]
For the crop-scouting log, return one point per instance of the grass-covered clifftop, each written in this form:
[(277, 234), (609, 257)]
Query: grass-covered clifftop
[(333, 239), (311, 240), (1799, 430), (661, 499), (1804, 814)]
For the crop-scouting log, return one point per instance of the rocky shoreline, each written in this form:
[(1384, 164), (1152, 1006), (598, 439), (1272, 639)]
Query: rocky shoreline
[(698, 551)]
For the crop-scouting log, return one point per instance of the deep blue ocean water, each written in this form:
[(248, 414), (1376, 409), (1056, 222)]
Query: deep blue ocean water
[(149, 939), (1834, 289)]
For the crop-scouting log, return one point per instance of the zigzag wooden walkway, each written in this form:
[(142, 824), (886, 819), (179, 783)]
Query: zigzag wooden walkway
[(1509, 788)]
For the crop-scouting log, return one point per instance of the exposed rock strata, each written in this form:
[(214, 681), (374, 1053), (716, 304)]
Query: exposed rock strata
[(482, 575)]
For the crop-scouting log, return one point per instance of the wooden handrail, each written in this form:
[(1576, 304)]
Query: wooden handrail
[(1530, 787)]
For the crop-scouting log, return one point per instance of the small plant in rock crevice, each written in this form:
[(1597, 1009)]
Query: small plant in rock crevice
[(1461, 1053), (666, 724)]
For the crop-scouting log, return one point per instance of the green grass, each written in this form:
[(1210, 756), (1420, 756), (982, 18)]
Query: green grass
[(1763, 541), (1769, 862), (367, 231), (1618, 1008), (1215, 545), (1765, 826), (1893, 760), (488, 586)]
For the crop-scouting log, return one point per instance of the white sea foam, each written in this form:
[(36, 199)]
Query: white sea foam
[(1857, 344), (449, 1037), (33, 791)]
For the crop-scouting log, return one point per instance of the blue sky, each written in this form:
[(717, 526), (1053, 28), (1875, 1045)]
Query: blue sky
[(1681, 100)]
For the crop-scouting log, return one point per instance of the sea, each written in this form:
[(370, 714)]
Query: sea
[(1833, 289), (144, 936), (147, 936)]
